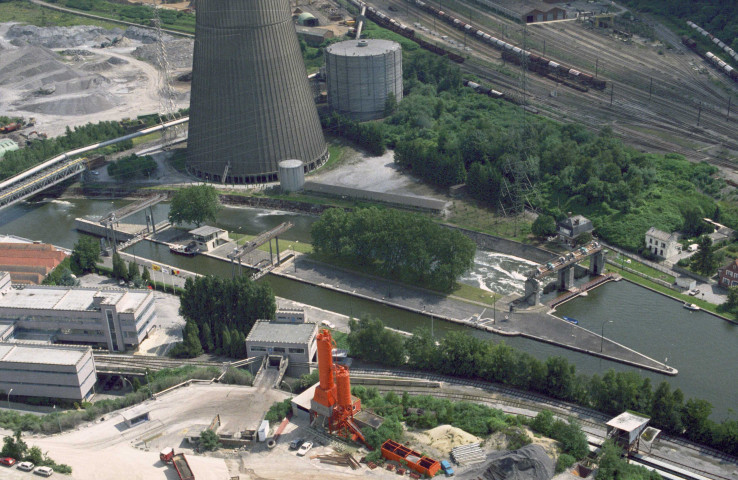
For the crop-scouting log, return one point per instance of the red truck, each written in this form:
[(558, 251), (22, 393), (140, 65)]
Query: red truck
[(179, 462)]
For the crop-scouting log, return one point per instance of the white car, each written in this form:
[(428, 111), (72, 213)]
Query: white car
[(25, 466), (44, 471), (304, 448)]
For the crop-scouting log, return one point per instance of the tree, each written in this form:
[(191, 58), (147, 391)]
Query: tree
[(134, 275), (704, 261), (390, 104), (544, 226), (209, 440), (196, 205), (13, 446), (732, 301), (120, 271), (85, 255), (372, 342), (146, 276)]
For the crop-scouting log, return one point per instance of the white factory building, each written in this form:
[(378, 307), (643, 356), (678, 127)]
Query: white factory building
[(55, 371), (115, 319)]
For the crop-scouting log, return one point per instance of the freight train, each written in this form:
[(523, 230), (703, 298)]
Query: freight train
[(709, 56), (536, 63), (391, 24)]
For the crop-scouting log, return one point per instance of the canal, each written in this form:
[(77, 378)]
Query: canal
[(702, 347)]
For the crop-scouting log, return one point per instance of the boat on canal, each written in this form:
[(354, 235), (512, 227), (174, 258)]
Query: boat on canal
[(186, 250), (571, 320), (691, 306)]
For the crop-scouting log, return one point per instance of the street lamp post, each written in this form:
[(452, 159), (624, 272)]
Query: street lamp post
[(602, 333), (9, 392), (58, 420)]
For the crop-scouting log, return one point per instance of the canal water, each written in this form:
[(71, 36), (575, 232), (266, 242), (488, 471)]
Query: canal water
[(702, 347)]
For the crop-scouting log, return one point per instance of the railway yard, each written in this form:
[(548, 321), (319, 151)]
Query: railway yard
[(656, 91)]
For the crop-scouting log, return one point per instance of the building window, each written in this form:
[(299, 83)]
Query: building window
[(663, 245), (650, 241), (297, 350), (258, 349), (279, 349), (726, 281)]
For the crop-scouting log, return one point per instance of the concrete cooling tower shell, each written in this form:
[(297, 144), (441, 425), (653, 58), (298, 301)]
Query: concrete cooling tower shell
[(360, 75), (251, 104)]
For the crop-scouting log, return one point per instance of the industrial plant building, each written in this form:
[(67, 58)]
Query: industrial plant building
[(115, 319), (293, 339), (361, 75), (53, 371), (251, 104), (527, 11)]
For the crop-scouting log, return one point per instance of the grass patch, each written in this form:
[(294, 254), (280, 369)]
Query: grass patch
[(646, 270), (467, 292), (31, 14), (146, 138), (467, 214), (338, 148)]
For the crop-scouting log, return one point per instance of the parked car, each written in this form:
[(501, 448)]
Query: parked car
[(25, 466), (296, 443), (44, 471), (7, 461), (304, 448)]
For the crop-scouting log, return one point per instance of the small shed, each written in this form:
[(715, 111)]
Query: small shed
[(136, 415), (307, 19), (7, 145), (263, 431), (626, 429), (207, 237)]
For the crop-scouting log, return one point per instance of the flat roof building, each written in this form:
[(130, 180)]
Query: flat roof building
[(527, 11), (115, 319), (54, 371), (296, 341), (207, 237)]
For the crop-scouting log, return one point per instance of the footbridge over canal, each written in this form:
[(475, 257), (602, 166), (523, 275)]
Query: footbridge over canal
[(563, 267)]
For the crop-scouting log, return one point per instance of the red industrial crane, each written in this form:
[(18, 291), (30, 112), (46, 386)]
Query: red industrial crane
[(332, 399)]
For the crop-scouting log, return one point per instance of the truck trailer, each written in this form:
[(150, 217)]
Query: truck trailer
[(182, 467)]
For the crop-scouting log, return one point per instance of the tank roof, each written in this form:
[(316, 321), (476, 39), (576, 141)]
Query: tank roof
[(363, 48), (290, 163), (305, 16)]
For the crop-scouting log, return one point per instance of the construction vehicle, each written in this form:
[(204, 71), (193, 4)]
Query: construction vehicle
[(11, 127), (179, 462)]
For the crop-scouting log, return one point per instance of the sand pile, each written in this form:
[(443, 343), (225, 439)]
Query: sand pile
[(445, 437), (47, 85)]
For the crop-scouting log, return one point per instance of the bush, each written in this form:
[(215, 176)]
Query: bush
[(279, 410), (236, 376), (516, 438), (209, 441), (563, 462)]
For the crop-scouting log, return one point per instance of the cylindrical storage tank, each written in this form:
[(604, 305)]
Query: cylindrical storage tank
[(361, 75), (344, 387), (325, 360), (291, 175)]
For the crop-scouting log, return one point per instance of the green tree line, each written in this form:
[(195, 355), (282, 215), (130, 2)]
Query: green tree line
[(131, 167), (459, 354), (220, 312), (40, 150), (398, 245)]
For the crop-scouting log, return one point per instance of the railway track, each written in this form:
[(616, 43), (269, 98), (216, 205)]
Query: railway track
[(142, 363), (590, 419), (676, 82)]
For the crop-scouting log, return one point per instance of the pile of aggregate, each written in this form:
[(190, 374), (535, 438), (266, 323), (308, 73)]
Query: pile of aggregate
[(178, 53), (527, 463), (50, 86), (70, 37)]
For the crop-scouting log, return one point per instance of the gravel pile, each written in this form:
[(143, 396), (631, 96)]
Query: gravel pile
[(179, 53), (61, 37), (69, 37), (527, 463), (104, 65), (47, 85)]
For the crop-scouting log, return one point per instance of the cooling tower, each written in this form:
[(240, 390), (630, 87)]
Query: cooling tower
[(250, 105)]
